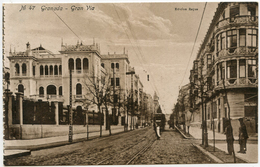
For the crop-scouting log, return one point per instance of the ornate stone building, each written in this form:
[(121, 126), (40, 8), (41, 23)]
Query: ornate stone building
[(225, 66)]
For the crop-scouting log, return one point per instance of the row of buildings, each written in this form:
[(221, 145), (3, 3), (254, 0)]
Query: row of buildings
[(224, 78), (41, 75)]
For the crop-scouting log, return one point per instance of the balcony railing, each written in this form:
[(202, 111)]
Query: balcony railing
[(47, 97), (237, 19), (238, 82)]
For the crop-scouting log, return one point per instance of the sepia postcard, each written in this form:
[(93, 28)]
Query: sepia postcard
[(148, 83)]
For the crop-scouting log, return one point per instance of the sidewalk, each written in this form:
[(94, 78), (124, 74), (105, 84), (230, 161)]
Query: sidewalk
[(251, 155), (14, 148)]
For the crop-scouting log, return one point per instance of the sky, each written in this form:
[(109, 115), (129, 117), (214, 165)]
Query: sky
[(158, 37)]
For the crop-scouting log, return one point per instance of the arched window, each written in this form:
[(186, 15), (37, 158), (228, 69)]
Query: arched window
[(78, 64), (60, 70), (41, 70), (20, 88), (85, 64), (46, 70), (17, 69), (55, 70), (51, 70), (60, 90), (112, 65), (24, 69), (41, 91), (51, 90), (71, 64), (78, 89), (103, 65), (117, 66), (33, 70)]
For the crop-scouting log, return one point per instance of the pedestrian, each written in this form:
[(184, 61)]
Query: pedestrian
[(229, 137), (243, 136)]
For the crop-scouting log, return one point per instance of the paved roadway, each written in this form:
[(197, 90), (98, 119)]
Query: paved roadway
[(171, 149)]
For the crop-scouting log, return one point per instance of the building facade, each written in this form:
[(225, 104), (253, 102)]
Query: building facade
[(224, 76), (41, 75)]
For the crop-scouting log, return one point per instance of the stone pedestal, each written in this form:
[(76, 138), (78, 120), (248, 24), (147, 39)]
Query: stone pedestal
[(56, 112), (19, 98)]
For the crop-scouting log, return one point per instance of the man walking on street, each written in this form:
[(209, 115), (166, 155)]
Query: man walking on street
[(242, 136), (229, 137)]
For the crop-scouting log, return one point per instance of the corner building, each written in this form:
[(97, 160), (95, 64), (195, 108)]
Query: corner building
[(227, 63)]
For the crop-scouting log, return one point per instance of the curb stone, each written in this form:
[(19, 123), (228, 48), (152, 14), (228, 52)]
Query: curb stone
[(211, 156)]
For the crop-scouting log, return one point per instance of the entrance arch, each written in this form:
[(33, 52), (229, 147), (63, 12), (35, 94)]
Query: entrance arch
[(51, 90)]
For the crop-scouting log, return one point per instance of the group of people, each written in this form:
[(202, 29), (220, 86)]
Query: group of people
[(243, 136)]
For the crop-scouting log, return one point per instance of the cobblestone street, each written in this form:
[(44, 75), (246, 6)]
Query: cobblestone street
[(119, 149), (172, 149)]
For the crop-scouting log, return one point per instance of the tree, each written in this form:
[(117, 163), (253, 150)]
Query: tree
[(98, 91)]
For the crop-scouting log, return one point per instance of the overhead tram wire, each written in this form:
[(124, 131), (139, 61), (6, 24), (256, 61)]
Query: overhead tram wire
[(153, 86), (144, 60), (67, 25), (194, 43)]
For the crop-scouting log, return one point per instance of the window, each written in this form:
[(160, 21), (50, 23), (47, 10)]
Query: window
[(33, 70), (24, 69), (232, 69), (218, 44), (242, 68), (231, 40), (60, 90), (252, 39), (209, 60), (103, 65), (85, 64), (46, 70), (20, 88), (71, 64), (41, 91), (41, 70), (195, 66), (55, 70), (17, 69), (251, 11), (223, 36), (115, 98), (242, 37), (223, 70), (112, 66), (234, 11), (60, 70), (252, 68), (117, 82), (117, 66), (78, 89), (78, 64), (51, 70), (51, 90), (112, 81)]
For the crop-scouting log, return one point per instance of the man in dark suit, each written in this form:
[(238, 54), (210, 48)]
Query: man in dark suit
[(229, 137), (243, 136)]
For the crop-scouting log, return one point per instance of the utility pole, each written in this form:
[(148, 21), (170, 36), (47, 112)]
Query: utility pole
[(132, 96)]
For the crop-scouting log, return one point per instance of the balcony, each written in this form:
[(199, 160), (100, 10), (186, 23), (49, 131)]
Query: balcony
[(237, 20), (242, 50), (43, 97), (237, 83)]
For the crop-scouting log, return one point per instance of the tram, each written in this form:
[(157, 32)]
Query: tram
[(159, 119)]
